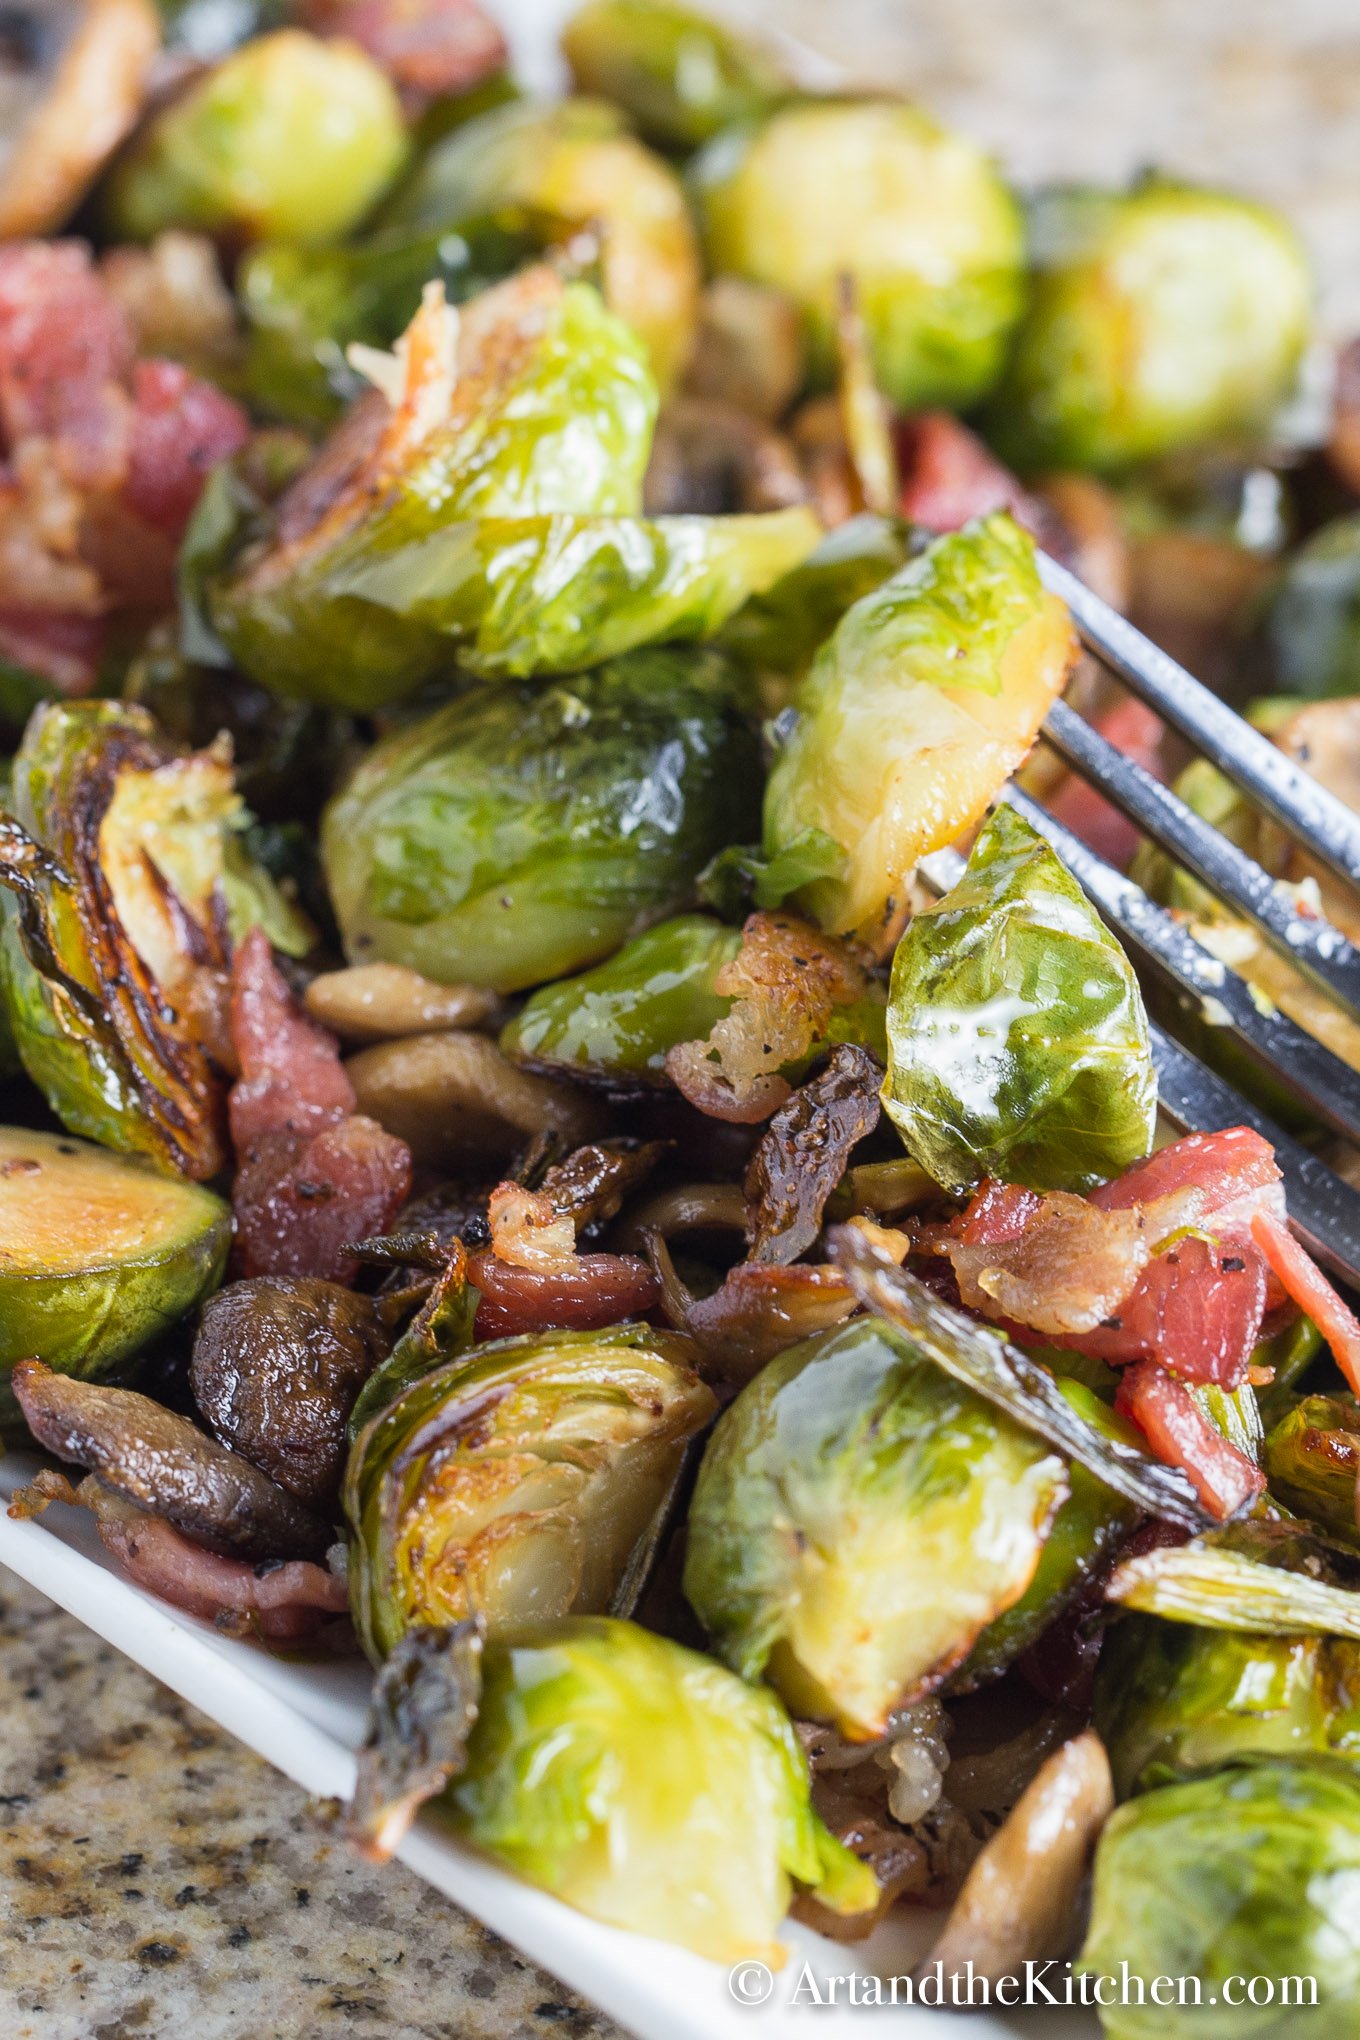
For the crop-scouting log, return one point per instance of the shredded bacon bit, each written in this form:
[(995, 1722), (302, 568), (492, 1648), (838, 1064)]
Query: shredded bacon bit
[(1181, 1435), (785, 981), (1065, 1270), (314, 1176), (585, 1293), (1309, 1288), (431, 49), (949, 476)]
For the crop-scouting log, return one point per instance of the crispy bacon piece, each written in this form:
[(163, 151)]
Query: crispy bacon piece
[(1137, 733), (181, 427), (1344, 448), (63, 649), (785, 982), (66, 349), (1061, 1271), (314, 1176), (1181, 1435), (590, 1291), (430, 49), (1309, 1288), (948, 476), (757, 1311)]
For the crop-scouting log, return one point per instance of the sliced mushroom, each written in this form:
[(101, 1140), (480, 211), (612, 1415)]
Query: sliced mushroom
[(92, 97), (1019, 1900), (384, 1001)]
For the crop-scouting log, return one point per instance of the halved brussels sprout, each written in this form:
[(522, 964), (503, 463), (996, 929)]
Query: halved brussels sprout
[(98, 1254), (1018, 1045), (126, 867), (491, 516), (620, 1019), (1173, 1700), (858, 1521), (927, 697), (681, 75), (915, 214), (1312, 1458), (647, 1787), (1244, 1878), (1163, 317), (514, 1482), (779, 631), (576, 162), (288, 136), (1091, 1524), (522, 832)]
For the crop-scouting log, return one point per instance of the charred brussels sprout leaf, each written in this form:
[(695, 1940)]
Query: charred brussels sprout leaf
[(647, 1787), (858, 1521), (620, 1019), (1312, 1458), (680, 75), (1018, 1046), (916, 710), (519, 833), (916, 215), (125, 866), (288, 136), (306, 305), (1250, 1873), (577, 162), (98, 1254), (1160, 318), (513, 1484)]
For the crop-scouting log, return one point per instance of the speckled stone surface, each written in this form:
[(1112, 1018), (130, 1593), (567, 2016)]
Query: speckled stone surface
[(156, 1879)]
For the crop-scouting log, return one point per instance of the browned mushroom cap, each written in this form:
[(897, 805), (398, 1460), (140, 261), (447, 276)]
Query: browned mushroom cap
[(91, 100), (278, 1364), (164, 1464)]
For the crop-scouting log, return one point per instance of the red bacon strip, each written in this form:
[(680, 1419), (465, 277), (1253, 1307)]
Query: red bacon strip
[(1181, 1435)]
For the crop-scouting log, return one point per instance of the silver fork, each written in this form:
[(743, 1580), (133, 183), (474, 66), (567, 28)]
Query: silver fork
[(1324, 1211)]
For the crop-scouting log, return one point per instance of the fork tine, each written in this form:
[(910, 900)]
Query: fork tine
[(1324, 1211), (1327, 1087), (1291, 796), (1309, 942)]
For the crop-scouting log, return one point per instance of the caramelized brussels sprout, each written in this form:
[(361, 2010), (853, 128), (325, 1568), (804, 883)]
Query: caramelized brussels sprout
[(779, 631), (916, 710), (680, 75), (125, 866), (288, 136), (514, 1482), (621, 1019), (646, 1786), (522, 832), (490, 517), (1160, 318), (915, 214), (1173, 1700), (858, 1521), (98, 1254), (575, 162), (1312, 1459), (1247, 1875), (1018, 1045)]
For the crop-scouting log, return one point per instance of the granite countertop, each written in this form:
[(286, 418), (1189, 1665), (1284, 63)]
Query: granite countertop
[(156, 1879)]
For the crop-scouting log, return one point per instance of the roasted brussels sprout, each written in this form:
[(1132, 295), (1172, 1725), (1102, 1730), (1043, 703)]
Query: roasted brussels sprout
[(575, 162), (858, 1521), (126, 866), (1306, 637), (1160, 318), (522, 832), (1248, 1875), (1312, 1458), (278, 1363), (620, 1020), (1173, 1700), (98, 1254), (514, 1482), (288, 136), (491, 516), (779, 632), (680, 75), (915, 214), (928, 695), (1018, 1045), (646, 1786)]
